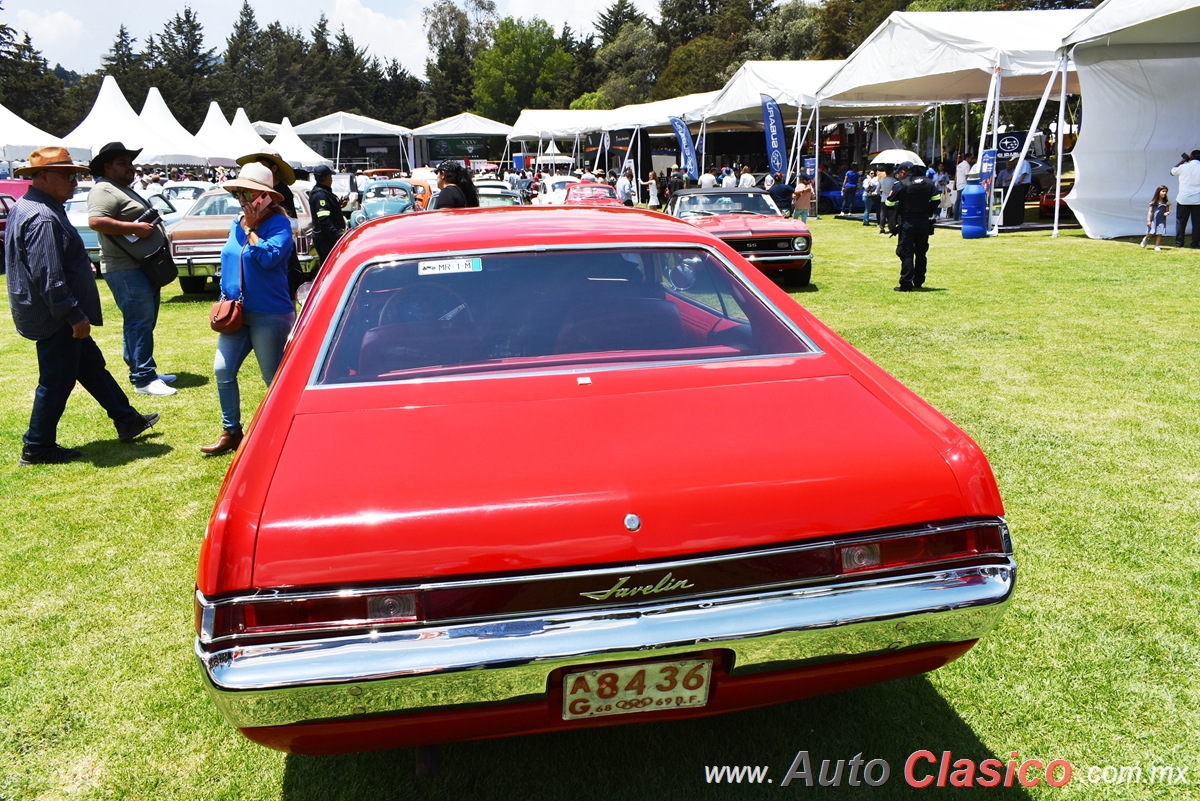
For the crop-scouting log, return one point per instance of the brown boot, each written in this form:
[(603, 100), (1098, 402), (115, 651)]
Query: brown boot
[(228, 441)]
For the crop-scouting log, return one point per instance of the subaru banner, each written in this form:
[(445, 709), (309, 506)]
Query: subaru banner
[(687, 152), (773, 124)]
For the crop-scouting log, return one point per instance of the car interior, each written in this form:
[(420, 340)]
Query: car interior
[(404, 320)]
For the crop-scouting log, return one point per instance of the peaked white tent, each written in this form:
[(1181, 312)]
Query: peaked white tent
[(294, 151), (465, 124), (243, 129), (216, 135), (689, 108), (168, 142), (343, 123), (19, 138), (1137, 63), (793, 85), (265, 129), (111, 119)]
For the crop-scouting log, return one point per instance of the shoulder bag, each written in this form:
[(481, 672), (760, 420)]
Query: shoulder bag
[(159, 267), (225, 316)]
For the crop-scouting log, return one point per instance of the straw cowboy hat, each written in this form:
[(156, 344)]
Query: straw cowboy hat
[(286, 173), (255, 177), (50, 158)]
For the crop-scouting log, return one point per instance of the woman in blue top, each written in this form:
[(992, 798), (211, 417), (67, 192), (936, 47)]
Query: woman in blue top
[(254, 267)]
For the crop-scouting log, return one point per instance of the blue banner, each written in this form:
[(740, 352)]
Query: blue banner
[(773, 125), (687, 152)]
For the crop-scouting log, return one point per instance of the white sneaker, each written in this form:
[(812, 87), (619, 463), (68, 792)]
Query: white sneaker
[(166, 378), (1158, 247), (1144, 238), (155, 387)]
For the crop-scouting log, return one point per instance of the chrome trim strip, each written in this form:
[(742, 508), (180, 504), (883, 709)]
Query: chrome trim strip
[(339, 310), (446, 666), (604, 572), (753, 257)]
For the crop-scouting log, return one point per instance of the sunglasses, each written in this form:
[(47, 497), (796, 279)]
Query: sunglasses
[(245, 195)]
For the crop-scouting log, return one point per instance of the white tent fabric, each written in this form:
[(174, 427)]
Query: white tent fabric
[(689, 108), (949, 57), (216, 135), (243, 129), (169, 142), (793, 84), (111, 119), (347, 124), (19, 138), (294, 151), (535, 124), (465, 124), (265, 129), (1137, 66)]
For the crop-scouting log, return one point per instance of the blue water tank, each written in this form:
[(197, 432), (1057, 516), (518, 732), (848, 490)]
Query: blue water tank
[(974, 209)]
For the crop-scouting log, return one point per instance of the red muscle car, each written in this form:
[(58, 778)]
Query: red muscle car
[(748, 220), (590, 193), (522, 470)]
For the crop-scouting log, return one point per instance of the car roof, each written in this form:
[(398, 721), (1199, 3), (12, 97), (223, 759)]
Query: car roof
[(465, 230), (745, 190)]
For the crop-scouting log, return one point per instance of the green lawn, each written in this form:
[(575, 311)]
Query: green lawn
[(1072, 362)]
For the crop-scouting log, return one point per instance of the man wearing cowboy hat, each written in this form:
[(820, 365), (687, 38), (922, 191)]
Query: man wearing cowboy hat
[(113, 211), (54, 300), (283, 176)]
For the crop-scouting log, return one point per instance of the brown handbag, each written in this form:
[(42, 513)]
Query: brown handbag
[(225, 316)]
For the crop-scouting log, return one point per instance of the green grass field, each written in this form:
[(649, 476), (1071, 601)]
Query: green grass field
[(1072, 362)]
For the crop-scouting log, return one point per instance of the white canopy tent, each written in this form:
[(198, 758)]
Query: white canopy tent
[(465, 124), (266, 130), (343, 123), (294, 151), (537, 124), (243, 129), (689, 108), (19, 138), (1138, 64), (169, 142), (111, 119), (216, 135)]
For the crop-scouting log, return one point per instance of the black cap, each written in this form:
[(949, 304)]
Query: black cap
[(107, 154), (322, 171), (905, 165)]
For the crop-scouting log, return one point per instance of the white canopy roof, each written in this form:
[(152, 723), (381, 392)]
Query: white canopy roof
[(1141, 22), (169, 142), (689, 108), (216, 135), (1137, 63), (793, 84), (265, 129), (347, 124), (541, 123), (242, 128), (19, 138), (294, 151), (949, 57), (111, 119), (465, 124)]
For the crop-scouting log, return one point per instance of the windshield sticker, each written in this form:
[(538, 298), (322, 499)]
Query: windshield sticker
[(446, 266)]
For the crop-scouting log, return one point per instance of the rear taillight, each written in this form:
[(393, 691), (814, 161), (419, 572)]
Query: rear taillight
[(883, 553), (255, 616)]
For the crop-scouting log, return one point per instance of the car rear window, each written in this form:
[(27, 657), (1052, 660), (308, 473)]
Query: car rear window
[(470, 314)]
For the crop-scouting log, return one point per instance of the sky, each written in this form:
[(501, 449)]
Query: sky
[(77, 33)]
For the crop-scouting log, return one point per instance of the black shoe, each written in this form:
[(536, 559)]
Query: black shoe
[(904, 289), (144, 423), (52, 455)]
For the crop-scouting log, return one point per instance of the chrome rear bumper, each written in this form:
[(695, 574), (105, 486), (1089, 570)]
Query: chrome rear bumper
[(508, 660)]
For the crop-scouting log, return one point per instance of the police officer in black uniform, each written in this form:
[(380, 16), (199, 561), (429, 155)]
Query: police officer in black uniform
[(914, 199), (328, 222)]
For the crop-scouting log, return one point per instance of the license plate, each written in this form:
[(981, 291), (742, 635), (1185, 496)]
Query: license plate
[(636, 688)]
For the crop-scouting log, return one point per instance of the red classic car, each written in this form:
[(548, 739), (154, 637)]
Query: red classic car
[(748, 220), (522, 470), (590, 193)]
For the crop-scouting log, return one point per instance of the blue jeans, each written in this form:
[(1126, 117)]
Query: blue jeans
[(802, 214), (266, 335), (63, 361), (138, 301), (870, 201)]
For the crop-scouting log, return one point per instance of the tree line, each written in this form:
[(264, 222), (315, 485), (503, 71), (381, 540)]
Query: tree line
[(478, 62)]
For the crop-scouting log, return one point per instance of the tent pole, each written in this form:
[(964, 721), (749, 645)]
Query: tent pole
[(795, 157), (703, 153), (1058, 144), (637, 164), (995, 227), (1037, 117), (817, 163)]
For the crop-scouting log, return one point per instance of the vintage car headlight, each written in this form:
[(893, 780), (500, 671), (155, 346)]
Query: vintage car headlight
[(800, 244)]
